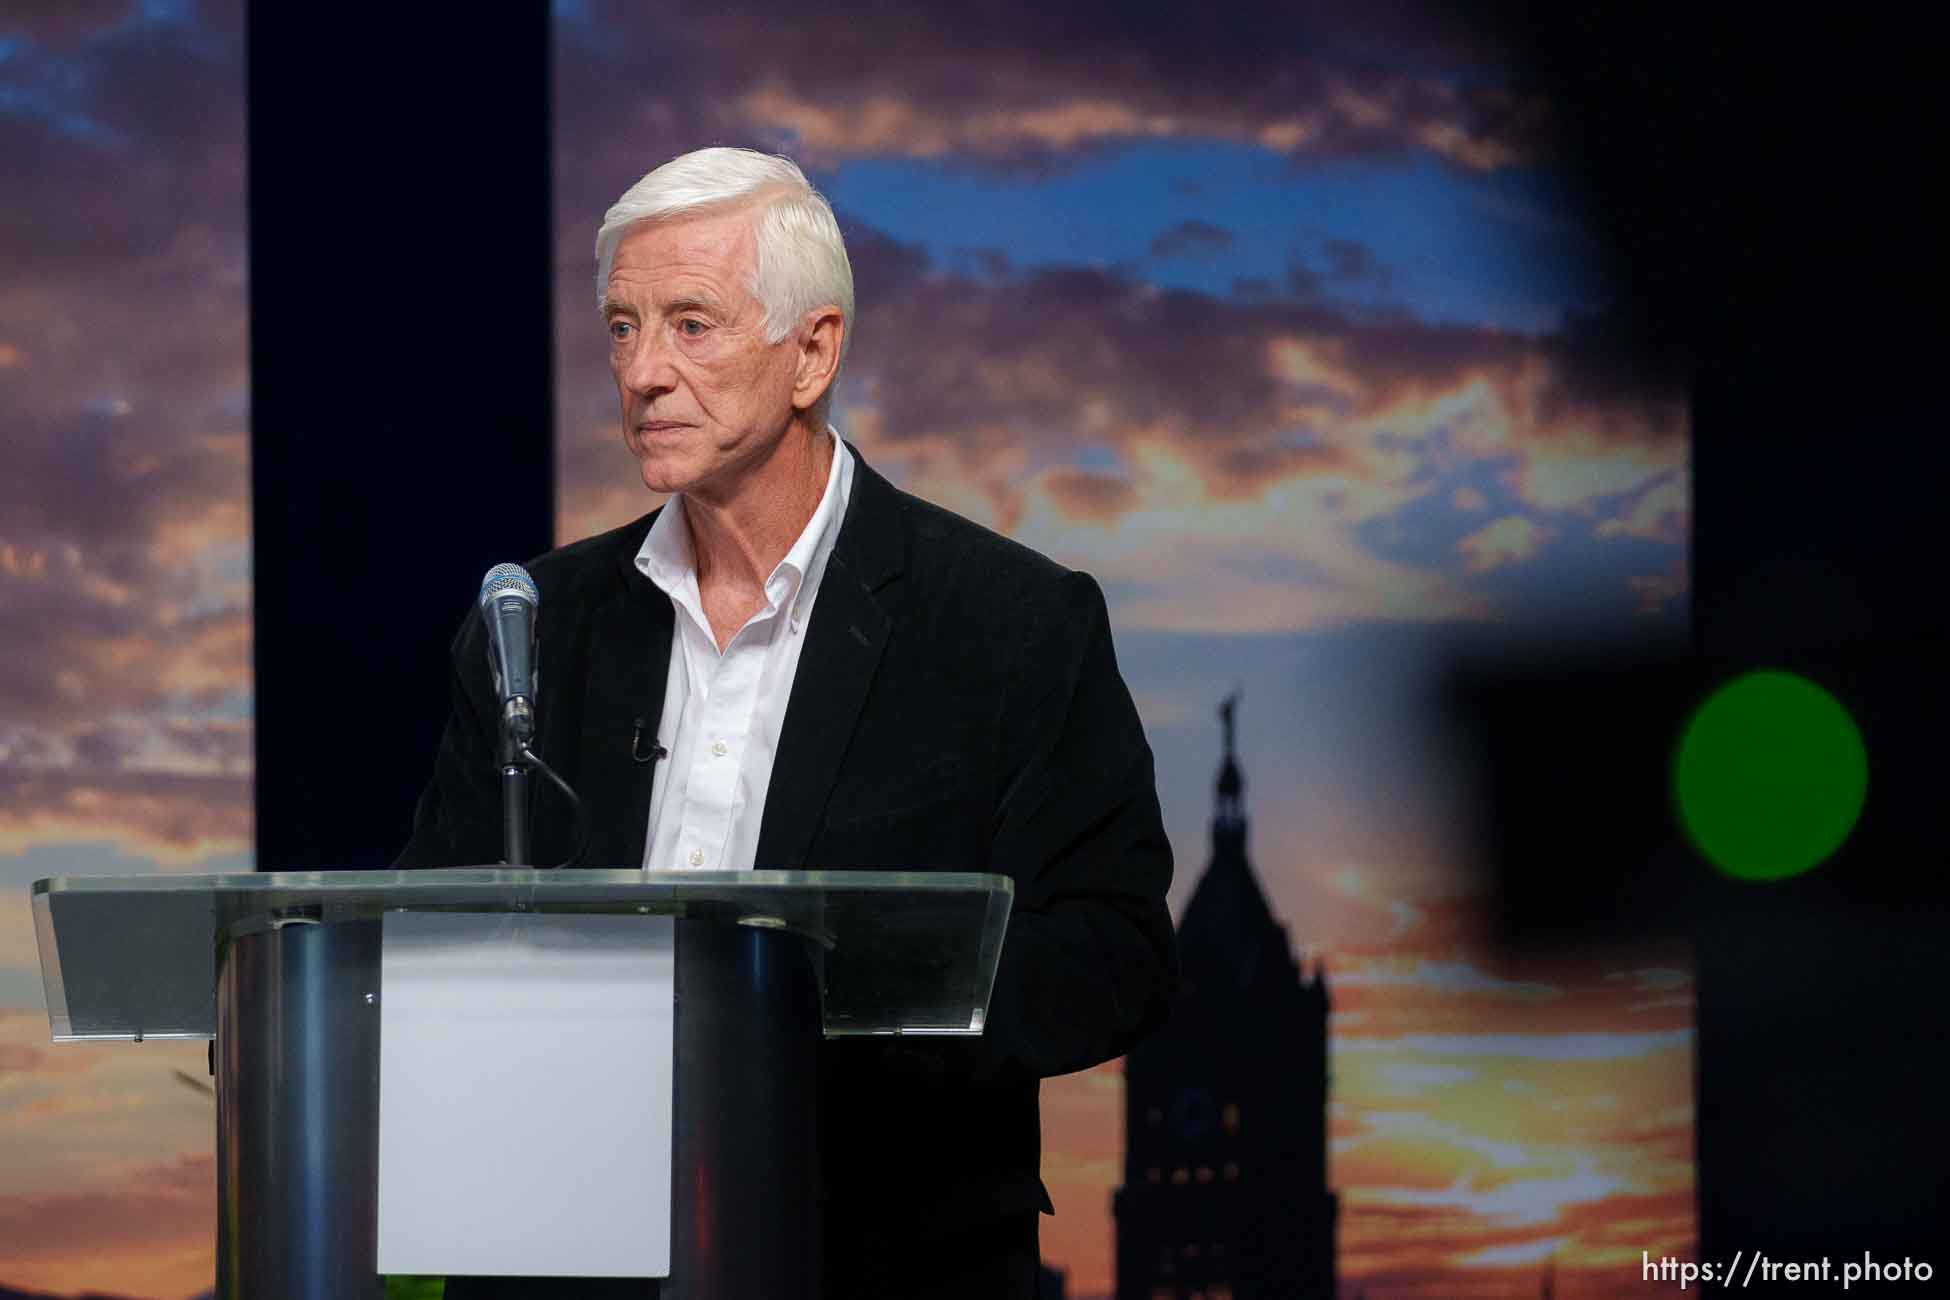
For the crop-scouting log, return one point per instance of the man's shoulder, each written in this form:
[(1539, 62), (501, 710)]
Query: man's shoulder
[(992, 589), (947, 544)]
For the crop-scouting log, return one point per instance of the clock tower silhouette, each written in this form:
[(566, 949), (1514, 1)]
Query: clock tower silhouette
[(1225, 1191)]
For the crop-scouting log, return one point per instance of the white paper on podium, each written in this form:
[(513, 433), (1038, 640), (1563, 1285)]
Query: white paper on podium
[(524, 1094)]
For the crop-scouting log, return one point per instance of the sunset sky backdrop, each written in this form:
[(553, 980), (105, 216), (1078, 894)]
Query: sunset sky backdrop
[(1288, 327)]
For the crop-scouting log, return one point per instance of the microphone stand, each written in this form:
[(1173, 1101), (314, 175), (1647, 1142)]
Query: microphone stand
[(517, 729)]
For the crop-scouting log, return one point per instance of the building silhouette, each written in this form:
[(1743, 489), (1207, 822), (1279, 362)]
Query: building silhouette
[(1225, 1191)]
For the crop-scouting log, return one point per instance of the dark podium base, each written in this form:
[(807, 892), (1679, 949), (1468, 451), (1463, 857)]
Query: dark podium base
[(297, 1063)]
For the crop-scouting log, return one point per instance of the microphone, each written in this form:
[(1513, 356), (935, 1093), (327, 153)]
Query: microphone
[(508, 604)]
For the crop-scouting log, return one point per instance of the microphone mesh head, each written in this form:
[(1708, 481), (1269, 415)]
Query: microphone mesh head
[(509, 580)]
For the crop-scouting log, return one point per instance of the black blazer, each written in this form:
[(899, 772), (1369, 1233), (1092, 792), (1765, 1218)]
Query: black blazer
[(957, 707)]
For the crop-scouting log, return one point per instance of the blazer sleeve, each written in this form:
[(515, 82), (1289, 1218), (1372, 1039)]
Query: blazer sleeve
[(457, 822), (1089, 965)]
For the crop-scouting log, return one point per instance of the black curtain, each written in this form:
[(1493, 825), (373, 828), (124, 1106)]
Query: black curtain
[(401, 414)]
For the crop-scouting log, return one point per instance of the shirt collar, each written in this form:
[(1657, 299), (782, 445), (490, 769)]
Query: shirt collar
[(666, 557)]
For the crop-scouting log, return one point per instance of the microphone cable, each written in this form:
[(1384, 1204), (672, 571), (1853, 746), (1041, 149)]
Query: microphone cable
[(575, 803)]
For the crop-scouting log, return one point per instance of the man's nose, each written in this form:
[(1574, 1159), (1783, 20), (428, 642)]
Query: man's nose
[(649, 371)]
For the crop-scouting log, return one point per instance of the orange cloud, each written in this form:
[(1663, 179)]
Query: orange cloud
[(829, 126), (1464, 1155), (1660, 513), (163, 815), (1510, 540), (1027, 101), (1088, 497), (1395, 112), (150, 1233)]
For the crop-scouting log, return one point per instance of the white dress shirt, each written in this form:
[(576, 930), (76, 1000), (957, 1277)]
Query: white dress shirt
[(723, 711)]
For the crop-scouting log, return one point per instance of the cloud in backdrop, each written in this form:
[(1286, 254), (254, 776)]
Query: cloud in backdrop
[(124, 514)]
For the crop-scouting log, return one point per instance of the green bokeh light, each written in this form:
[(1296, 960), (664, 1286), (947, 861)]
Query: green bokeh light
[(1770, 776)]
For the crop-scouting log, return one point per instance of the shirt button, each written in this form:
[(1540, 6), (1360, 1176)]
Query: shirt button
[(697, 857), (719, 748)]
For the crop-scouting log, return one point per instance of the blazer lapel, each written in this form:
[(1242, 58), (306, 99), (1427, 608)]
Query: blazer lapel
[(844, 640), (629, 656)]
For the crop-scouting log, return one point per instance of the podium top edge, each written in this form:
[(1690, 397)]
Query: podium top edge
[(624, 880)]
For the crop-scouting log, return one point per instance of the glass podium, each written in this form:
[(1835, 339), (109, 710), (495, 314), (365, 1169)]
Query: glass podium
[(283, 972)]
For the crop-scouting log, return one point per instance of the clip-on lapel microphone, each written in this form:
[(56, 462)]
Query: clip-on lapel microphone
[(657, 750)]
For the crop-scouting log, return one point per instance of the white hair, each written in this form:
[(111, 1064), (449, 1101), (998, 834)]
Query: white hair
[(801, 260)]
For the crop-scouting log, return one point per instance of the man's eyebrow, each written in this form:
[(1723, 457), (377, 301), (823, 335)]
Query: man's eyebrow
[(689, 302)]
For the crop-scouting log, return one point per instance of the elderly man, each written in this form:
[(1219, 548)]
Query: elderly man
[(840, 675)]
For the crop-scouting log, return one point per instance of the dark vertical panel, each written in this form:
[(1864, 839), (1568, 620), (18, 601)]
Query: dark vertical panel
[(1787, 262), (400, 373), (1821, 1090), (1821, 1100)]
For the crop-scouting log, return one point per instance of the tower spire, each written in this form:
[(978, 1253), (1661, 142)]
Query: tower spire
[(1231, 810)]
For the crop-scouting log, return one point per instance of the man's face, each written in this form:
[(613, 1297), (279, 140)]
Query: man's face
[(703, 394)]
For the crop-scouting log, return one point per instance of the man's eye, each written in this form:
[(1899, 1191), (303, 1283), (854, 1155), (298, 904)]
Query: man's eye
[(691, 327), (617, 328)]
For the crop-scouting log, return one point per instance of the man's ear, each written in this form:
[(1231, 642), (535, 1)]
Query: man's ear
[(819, 356)]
